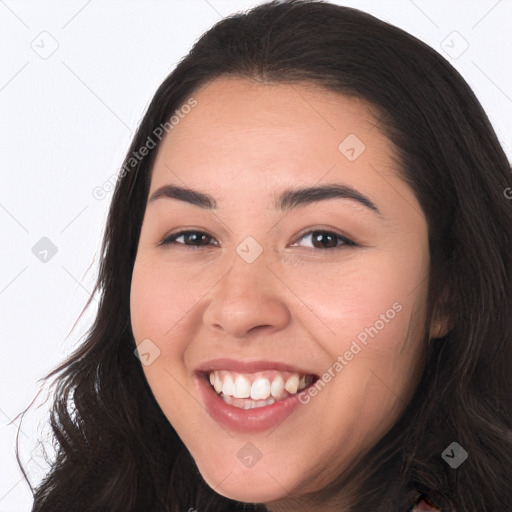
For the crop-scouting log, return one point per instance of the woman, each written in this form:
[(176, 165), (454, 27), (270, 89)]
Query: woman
[(309, 252)]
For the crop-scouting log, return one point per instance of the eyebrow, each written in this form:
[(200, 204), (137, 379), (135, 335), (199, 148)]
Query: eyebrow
[(289, 198)]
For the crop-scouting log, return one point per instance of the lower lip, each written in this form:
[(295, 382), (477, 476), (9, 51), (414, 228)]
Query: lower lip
[(245, 420)]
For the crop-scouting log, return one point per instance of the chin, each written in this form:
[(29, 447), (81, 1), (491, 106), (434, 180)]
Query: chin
[(252, 485)]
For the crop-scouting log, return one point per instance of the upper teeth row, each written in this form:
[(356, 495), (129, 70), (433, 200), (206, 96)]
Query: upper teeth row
[(239, 385)]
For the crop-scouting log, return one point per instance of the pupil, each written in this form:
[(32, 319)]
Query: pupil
[(195, 237), (321, 235)]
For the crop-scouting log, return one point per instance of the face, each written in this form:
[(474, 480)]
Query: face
[(283, 302)]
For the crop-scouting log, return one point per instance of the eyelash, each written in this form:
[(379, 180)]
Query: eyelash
[(345, 242)]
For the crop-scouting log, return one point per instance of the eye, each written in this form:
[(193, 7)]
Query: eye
[(190, 238), (322, 239)]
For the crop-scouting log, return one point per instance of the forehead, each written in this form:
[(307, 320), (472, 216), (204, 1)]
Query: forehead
[(272, 134), (244, 104)]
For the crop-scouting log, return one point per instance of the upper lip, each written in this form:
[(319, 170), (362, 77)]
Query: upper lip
[(249, 366)]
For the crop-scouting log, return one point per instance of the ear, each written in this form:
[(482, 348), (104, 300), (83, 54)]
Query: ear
[(441, 322)]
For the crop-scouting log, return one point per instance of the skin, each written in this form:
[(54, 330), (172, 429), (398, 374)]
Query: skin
[(244, 143)]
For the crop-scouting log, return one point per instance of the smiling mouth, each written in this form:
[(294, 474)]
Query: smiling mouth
[(253, 390)]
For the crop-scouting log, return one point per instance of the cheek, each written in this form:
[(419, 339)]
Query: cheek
[(371, 313), (345, 298), (160, 304), (162, 297)]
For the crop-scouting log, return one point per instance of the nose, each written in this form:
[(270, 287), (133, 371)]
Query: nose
[(247, 299)]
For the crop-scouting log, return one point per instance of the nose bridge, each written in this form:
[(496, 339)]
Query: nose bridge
[(248, 295), (248, 277)]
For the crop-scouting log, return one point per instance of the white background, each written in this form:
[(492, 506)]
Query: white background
[(66, 123)]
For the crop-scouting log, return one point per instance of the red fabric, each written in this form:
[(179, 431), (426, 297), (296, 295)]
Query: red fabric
[(423, 506)]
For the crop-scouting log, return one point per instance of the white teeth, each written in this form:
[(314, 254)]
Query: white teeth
[(228, 387), (277, 387), (243, 392), (218, 382), (260, 389), (292, 384), (247, 403), (242, 387)]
